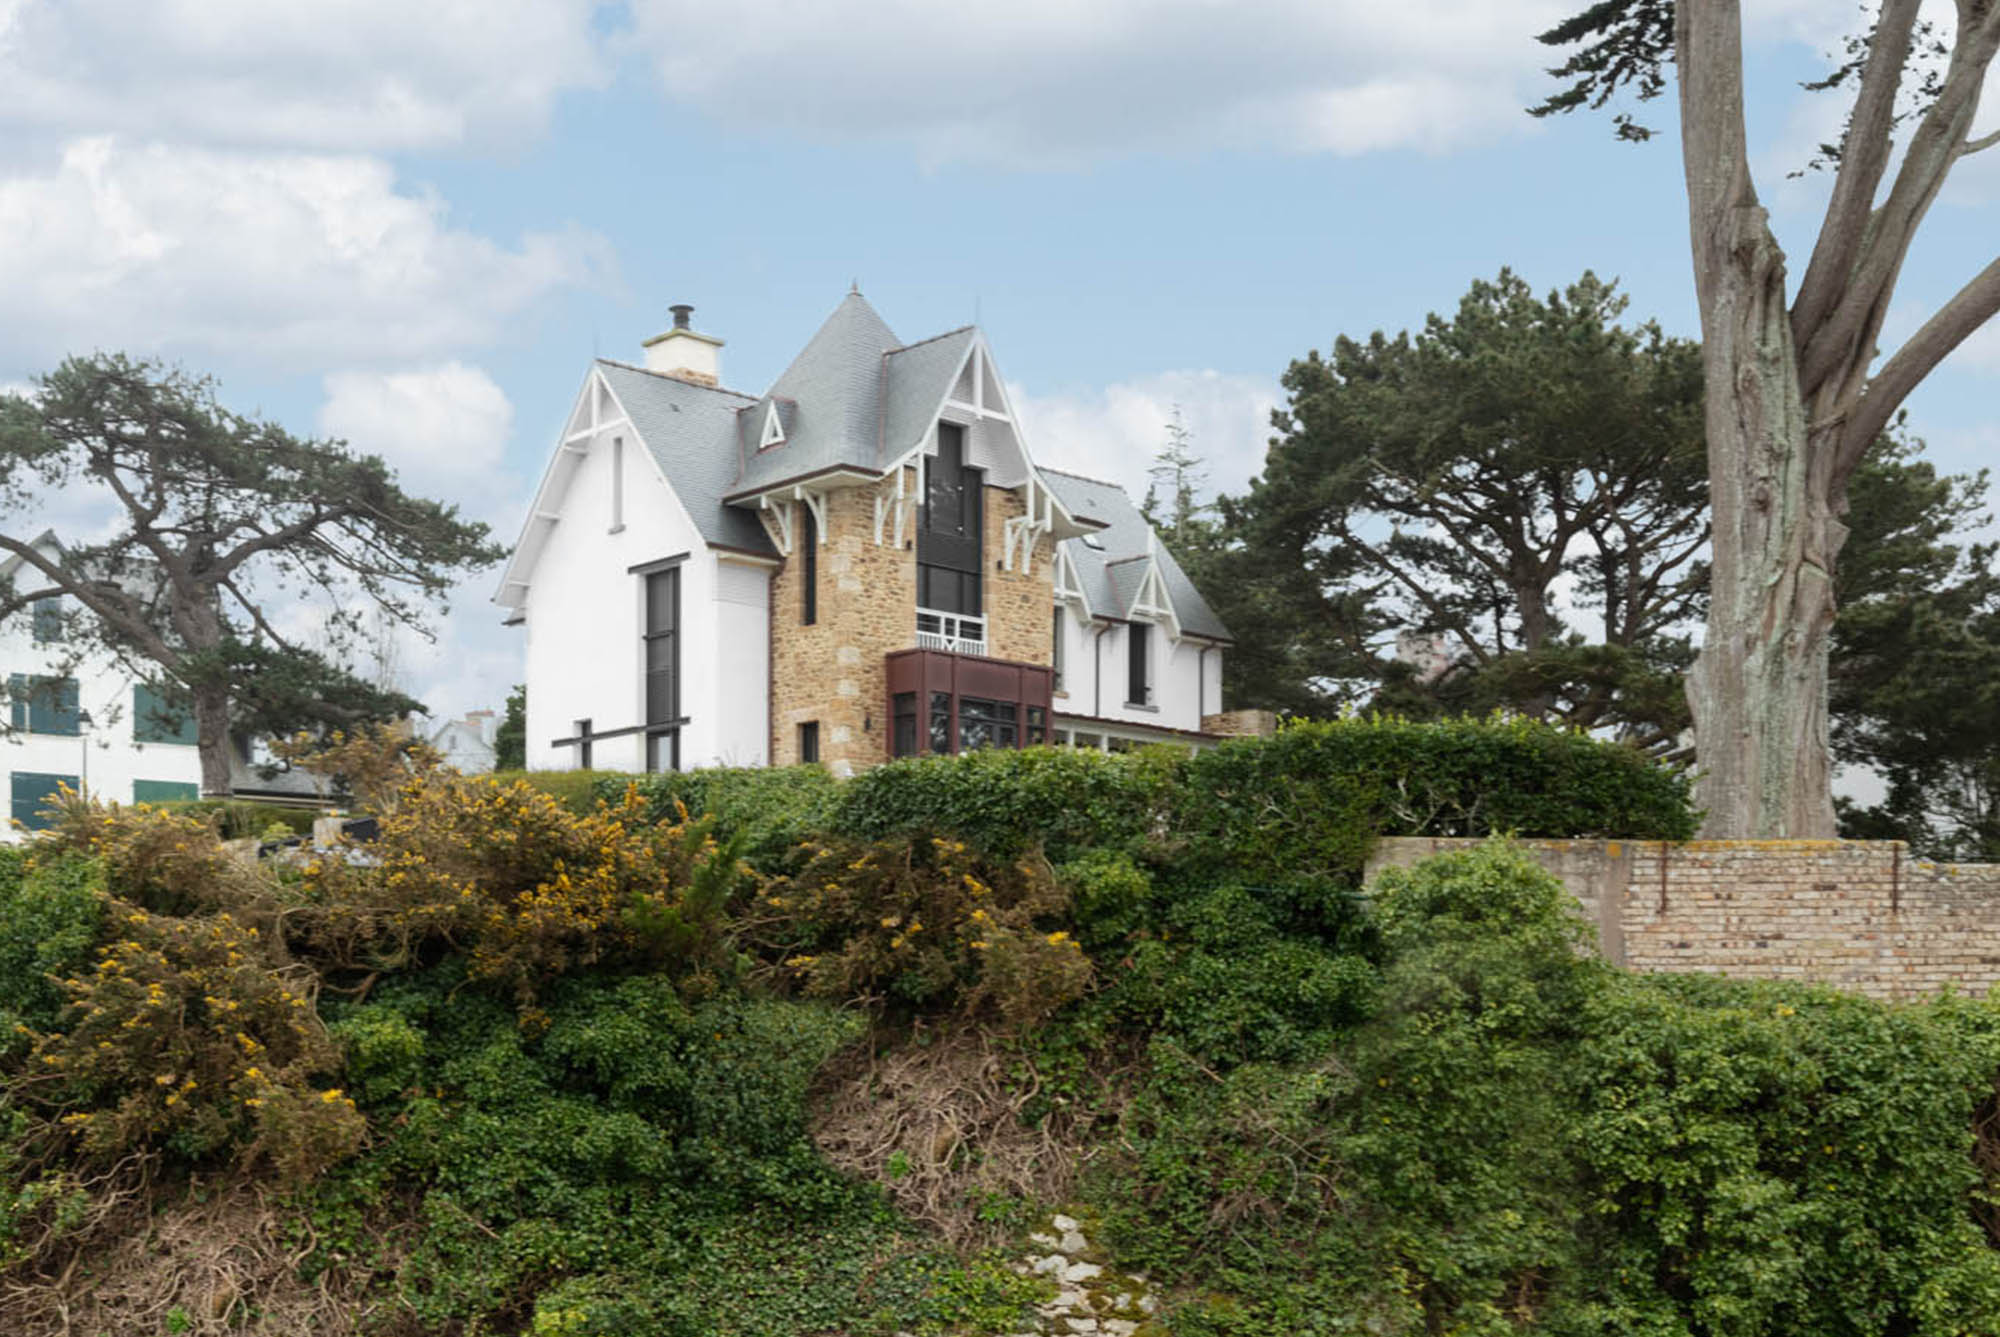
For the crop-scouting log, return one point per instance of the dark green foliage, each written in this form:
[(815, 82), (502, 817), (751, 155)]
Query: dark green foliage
[(1308, 802), (650, 1151), (576, 790), (1007, 801), (510, 740), (774, 809), (51, 914)]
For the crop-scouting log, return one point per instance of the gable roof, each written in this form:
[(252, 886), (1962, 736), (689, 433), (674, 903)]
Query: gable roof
[(1112, 571), (691, 432), (916, 379)]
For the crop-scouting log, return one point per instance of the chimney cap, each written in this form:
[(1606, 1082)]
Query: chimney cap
[(682, 311)]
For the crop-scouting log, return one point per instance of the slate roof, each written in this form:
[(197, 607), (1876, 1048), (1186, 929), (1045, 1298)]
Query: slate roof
[(836, 383), (691, 431), (1109, 574)]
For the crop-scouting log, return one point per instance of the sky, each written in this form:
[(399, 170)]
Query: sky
[(412, 225)]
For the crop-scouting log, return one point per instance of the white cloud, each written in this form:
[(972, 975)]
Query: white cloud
[(291, 259), (324, 74), (443, 429), (1114, 433), (1042, 82)]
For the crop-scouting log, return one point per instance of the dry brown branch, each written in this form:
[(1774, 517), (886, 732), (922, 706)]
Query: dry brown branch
[(938, 1125)]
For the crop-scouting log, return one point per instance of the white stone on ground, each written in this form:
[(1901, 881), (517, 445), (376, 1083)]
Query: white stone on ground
[(1073, 1242), (1082, 1272), (1063, 1222)]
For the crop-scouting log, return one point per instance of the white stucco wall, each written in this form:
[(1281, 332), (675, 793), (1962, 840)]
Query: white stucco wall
[(1183, 689), (585, 617), (105, 758)]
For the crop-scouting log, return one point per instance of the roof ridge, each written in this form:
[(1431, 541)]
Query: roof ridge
[(1082, 478), (682, 380), (1135, 557), (904, 348)]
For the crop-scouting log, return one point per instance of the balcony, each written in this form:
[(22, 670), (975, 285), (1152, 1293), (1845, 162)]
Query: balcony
[(953, 633)]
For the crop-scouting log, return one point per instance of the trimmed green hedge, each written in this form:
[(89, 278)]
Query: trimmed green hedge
[(775, 809)]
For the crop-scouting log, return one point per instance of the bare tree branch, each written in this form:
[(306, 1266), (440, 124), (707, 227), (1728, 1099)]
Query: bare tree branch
[(1984, 142), (1975, 304), (1864, 158)]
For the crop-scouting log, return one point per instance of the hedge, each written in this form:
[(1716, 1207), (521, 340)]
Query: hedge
[(238, 819)]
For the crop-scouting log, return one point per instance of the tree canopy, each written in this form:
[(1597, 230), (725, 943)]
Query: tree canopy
[(221, 519), (1798, 393)]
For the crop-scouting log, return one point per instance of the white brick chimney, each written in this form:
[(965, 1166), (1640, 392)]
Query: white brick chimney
[(684, 353)]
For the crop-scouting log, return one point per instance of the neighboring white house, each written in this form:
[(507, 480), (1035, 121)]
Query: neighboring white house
[(861, 563), (467, 745), (92, 728)]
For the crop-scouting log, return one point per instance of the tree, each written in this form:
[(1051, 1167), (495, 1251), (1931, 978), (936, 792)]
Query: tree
[(1179, 470), (1916, 659), (1448, 484), (219, 518), (1796, 397), (510, 740)]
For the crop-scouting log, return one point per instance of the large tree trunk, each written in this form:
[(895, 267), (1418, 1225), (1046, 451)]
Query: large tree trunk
[(1759, 688), (211, 726)]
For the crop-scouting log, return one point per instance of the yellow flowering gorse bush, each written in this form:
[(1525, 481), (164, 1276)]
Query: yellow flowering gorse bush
[(924, 922)]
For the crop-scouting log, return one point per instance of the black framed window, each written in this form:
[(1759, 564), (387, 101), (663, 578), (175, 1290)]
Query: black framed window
[(903, 724), (583, 745), (663, 646), (808, 568), (1056, 647), (950, 532), (663, 750), (1138, 688), (986, 724), (809, 741), (940, 742), (1038, 726)]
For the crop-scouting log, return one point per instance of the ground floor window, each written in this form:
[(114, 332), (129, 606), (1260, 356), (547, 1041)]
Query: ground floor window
[(163, 791), (663, 750), (903, 724), (987, 724), (33, 791), (809, 741), (942, 703)]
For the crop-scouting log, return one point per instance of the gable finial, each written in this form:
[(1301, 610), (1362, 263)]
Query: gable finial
[(854, 288)]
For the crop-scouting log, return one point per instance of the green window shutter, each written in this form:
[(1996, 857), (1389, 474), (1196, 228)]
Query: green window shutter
[(32, 792), (17, 700), (156, 719), (52, 707), (48, 621), (163, 791)]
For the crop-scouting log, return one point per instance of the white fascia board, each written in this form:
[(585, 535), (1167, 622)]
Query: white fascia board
[(548, 495)]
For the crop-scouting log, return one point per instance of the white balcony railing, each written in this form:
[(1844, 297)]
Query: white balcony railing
[(954, 632)]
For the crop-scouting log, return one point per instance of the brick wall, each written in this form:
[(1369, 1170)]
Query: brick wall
[(1861, 915)]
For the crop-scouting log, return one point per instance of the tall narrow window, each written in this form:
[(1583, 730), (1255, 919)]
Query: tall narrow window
[(583, 745), (808, 569), (1056, 648), (1138, 691), (949, 532), (663, 646), (904, 724), (617, 483), (809, 741)]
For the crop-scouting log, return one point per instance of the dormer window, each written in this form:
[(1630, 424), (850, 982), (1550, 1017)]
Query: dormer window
[(774, 429)]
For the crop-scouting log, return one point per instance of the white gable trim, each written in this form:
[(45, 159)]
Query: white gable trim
[(597, 412), (774, 429)]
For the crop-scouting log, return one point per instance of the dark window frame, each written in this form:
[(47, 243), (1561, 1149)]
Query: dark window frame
[(583, 741), (661, 683), (1138, 664), (808, 742), (808, 569)]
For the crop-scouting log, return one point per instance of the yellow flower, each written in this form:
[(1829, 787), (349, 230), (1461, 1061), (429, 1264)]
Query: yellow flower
[(330, 1096), (979, 946)]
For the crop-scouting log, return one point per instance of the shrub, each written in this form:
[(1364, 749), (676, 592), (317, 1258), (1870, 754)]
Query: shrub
[(190, 1036), (926, 923), (52, 909), (1310, 800), (241, 819), (577, 791), (773, 810), (164, 861), (1007, 802), (527, 888)]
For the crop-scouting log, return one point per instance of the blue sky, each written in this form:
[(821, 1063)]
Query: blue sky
[(413, 225)]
